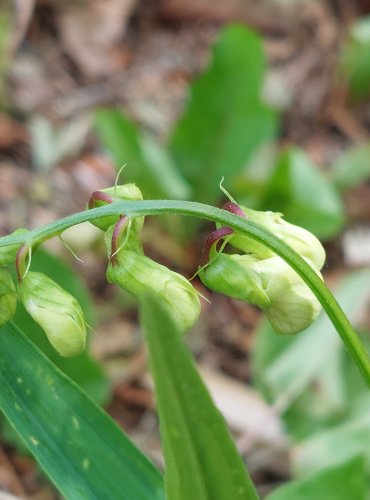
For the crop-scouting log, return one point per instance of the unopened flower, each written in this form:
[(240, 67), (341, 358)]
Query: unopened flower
[(268, 283), (233, 275), (142, 276), (8, 297), (125, 192), (293, 306), (57, 312)]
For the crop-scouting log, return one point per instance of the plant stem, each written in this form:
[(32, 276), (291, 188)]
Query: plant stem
[(243, 226)]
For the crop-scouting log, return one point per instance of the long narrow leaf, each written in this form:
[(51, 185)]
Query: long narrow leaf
[(202, 462), (79, 447)]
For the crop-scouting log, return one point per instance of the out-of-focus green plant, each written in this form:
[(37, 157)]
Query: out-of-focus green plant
[(5, 32), (224, 123), (355, 61), (351, 168)]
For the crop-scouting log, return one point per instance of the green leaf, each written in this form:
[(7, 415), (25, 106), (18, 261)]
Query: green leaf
[(352, 167), (341, 482), (202, 462), (80, 448), (355, 61), (298, 190), (148, 163), (225, 120), (83, 369)]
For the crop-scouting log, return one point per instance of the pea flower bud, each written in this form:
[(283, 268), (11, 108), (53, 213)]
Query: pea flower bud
[(142, 276), (9, 252), (270, 284), (125, 192), (8, 297), (293, 307), (234, 276), (57, 312), (301, 240)]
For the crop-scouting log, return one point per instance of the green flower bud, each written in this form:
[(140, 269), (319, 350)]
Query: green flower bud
[(142, 276), (8, 297), (126, 192), (9, 252), (270, 284), (293, 307), (57, 312), (301, 240), (234, 276)]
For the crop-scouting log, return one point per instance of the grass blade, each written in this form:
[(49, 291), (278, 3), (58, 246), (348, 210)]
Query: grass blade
[(202, 462), (80, 448)]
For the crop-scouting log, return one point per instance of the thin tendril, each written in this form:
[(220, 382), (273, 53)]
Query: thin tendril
[(70, 249), (203, 296), (226, 193), (117, 178)]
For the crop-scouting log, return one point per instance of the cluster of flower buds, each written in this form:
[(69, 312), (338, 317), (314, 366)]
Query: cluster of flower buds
[(55, 310), (260, 277), (135, 272)]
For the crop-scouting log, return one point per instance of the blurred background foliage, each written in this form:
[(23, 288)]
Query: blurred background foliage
[(273, 96)]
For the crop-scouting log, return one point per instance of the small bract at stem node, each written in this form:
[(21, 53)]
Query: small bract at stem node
[(23, 261)]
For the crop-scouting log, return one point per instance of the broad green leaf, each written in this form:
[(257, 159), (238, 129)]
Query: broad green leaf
[(82, 369), (202, 462), (148, 164), (225, 120), (298, 190), (79, 447), (352, 167), (341, 482), (305, 373), (355, 61)]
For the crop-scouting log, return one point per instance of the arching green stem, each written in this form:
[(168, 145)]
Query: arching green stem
[(242, 225)]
